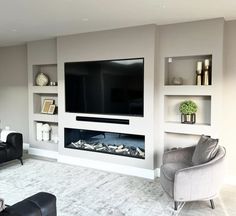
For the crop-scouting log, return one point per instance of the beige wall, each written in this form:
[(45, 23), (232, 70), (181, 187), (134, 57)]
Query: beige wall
[(229, 96), (14, 89)]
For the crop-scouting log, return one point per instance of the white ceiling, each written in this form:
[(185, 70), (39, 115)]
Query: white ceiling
[(27, 20)]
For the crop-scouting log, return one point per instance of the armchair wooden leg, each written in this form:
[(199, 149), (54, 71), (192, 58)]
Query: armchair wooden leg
[(175, 205), (21, 161), (212, 204)]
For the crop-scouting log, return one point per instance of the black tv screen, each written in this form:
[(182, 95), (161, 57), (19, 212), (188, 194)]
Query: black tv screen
[(105, 87)]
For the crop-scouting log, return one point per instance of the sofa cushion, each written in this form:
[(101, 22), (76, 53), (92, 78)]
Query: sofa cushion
[(205, 150), (4, 134), (40, 204), (169, 169)]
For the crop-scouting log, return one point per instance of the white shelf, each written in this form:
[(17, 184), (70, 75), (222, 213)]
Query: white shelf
[(196, 129), (188, 90), (45, 89), (45, 117)]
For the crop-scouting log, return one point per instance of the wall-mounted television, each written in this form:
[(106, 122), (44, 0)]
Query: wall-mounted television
[(113, 87)]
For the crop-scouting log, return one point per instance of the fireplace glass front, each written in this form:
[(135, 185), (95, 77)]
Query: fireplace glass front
[(129, 145)]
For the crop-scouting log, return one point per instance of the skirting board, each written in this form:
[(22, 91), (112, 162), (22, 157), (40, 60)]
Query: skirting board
[(43, 153), (109, 167), (26, 146)]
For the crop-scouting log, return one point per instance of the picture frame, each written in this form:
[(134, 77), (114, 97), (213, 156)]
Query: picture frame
[(46, 105), (52, 109)]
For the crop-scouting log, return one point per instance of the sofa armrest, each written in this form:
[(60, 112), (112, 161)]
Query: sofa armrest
[(15, 140), (199, 182), (179, 155), (40, 204)]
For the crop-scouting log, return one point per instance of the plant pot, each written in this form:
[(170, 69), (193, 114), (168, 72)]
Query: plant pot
[(188, 118)]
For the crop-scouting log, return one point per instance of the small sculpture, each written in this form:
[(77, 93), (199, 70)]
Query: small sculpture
[(46, 132), (206, 74), (199, 73), (177, 81)]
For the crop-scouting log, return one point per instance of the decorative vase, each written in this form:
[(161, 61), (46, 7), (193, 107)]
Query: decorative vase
[(46, 132), (41, 79), (188, 118), (39, 132)]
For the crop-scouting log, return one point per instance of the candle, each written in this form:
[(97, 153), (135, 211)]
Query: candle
[(199, 66), (207, 62)]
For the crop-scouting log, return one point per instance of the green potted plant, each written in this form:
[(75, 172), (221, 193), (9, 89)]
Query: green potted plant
[(188, 111)]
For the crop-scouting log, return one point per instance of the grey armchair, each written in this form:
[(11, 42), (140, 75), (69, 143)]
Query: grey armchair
[(185, 182)]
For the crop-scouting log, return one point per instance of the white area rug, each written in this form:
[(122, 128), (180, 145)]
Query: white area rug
[(84, 192)]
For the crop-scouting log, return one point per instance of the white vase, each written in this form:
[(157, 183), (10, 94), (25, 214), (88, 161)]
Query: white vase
[(41, 79), (39, 132), (46, 135), (46, 132)]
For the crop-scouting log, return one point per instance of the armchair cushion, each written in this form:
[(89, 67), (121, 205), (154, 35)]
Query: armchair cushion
[(170, 169), (205, 150), (183, 155)]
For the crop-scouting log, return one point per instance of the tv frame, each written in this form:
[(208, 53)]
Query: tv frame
[(108, 114)]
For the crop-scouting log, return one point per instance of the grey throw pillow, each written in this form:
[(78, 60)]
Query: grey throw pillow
[(205, 150)]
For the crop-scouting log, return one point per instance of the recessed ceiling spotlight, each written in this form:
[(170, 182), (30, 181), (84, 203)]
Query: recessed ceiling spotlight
[(85, 19), (13, 30)]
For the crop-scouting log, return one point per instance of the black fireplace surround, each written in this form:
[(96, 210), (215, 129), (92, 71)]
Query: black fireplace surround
[(122, 144)]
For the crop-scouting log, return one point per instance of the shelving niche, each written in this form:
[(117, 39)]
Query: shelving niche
[(203, 115), (183, 67), (42, 58), (173, 140), (39, 99), (48, 69), (175, 133), (53, 133), (39, 94)]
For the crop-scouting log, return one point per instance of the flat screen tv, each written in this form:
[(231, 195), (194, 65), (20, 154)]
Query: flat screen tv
[(112, 87)]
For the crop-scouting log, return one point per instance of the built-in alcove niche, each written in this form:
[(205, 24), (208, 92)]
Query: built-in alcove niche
[(177, 140), (184, 67), (50, 70), (173, 115)]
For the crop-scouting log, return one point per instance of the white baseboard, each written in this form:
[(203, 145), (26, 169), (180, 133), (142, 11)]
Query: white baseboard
[(110, 167), (157, 172), (43, 153), (26, 146)]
